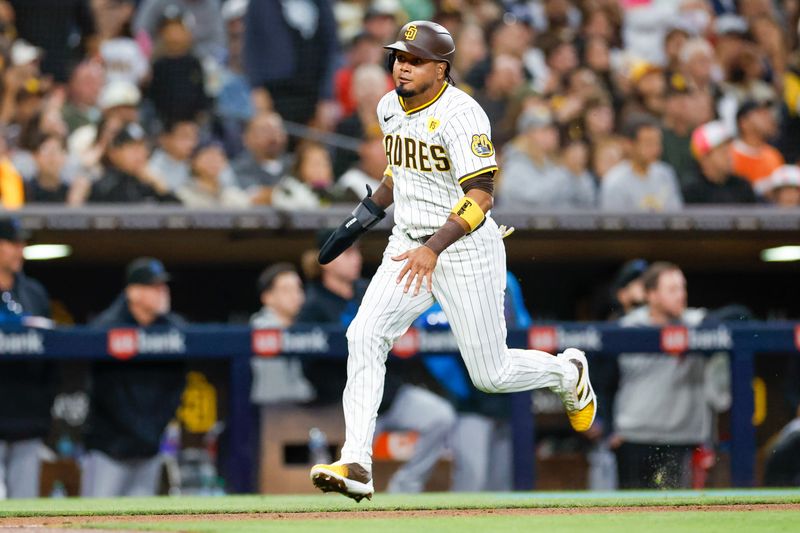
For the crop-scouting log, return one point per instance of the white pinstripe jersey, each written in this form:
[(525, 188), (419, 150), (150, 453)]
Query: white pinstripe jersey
[(431, 150)]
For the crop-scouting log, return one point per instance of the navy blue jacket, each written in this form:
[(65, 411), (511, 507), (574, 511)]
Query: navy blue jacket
[(132, 401), (27, 388)]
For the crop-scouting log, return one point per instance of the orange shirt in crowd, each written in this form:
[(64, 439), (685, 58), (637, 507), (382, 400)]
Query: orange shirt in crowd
[(754, 163)]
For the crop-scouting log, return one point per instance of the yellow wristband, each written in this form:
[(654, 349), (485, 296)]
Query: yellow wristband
[(469, 210)]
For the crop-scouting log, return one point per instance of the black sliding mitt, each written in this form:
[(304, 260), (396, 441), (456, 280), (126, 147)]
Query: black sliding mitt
[(365, 215)]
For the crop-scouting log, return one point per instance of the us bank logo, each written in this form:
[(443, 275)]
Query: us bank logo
[(553, 338), (29, 342), (414, 341), (126, 343), (272, 342), (407, 345), (674, 339), (679, 339)]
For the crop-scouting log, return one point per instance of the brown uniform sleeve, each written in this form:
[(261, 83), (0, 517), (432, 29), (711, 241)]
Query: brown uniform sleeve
[(483, 182)]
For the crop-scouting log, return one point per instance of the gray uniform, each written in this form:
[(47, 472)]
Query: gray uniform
[(433, 418), (673, 386), (279, 379), (482, 454), (105, 477), (20, 465)]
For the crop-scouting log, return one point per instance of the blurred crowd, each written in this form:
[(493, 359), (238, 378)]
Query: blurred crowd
[(619, 104)]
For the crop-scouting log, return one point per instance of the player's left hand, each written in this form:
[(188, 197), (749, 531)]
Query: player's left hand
[(420, 265)]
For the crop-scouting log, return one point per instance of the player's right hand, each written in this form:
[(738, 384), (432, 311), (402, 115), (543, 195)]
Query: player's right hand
[(420, 264), (365, 215)]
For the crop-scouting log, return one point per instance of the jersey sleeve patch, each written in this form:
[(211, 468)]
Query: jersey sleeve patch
[(482, 146)]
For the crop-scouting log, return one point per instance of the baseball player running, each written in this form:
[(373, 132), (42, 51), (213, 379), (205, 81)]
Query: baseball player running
[(444, 247)]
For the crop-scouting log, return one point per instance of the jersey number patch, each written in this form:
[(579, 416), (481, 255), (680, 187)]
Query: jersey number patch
[(482, 146)]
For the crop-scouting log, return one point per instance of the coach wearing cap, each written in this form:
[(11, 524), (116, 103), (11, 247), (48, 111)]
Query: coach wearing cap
[(27, 387), (126, 177), (132, 401)]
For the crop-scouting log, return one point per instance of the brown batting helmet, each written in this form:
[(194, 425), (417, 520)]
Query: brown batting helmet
[(426, 40)]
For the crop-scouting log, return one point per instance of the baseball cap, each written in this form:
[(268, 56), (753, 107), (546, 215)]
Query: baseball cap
[(234, 9), (205, 145), (119, 93), (783, 176), (382, 8), (22, 52), (11, 230), (131, 132), (709, 136), (534, 117), (172, 13), (629, 272), (751, 105), (679, 25), (146, 271)]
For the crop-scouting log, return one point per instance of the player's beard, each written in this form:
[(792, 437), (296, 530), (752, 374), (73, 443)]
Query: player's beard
[(406, 93)]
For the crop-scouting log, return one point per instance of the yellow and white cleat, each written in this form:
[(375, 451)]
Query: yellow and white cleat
[(351, 480), (580, 401)]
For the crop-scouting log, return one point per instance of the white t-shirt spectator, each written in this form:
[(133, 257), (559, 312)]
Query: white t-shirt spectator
[(645, 23), (355, 181), (291, 193), (124, 60)]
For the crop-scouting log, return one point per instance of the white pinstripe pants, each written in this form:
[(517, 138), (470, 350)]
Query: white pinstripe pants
[(469, 283)]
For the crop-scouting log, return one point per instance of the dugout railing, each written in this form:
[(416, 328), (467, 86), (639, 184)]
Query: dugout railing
[(238, 344)]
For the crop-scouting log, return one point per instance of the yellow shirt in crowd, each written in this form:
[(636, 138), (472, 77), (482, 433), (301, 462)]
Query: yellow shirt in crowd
[(12, 191)]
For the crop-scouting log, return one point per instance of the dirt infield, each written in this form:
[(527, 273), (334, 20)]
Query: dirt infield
[(57, 523)]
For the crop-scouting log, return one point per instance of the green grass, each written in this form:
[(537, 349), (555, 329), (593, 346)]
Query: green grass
[(669, 522), (333, 503)]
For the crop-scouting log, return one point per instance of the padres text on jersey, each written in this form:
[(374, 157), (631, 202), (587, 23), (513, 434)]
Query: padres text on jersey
[(431, 150)]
